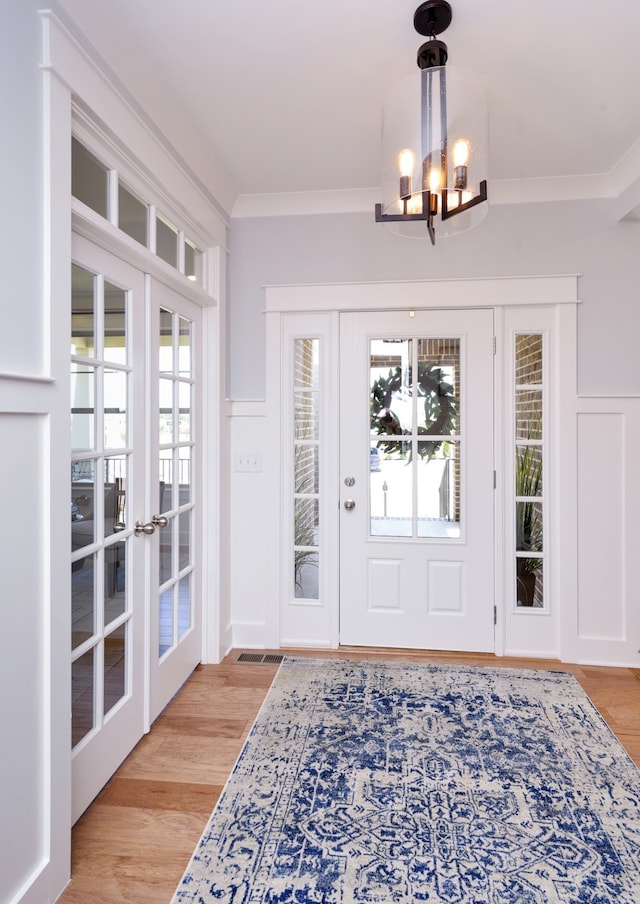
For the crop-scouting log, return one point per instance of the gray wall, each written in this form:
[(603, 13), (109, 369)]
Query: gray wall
[(21, 335), (514, 240)]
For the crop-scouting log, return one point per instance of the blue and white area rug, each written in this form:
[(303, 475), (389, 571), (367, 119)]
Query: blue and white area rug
[(386, 783)]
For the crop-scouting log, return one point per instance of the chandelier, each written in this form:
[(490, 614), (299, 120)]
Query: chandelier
[(434, 141)]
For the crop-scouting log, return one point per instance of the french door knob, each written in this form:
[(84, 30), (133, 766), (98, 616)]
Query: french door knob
[(150, 526), (349, 504)]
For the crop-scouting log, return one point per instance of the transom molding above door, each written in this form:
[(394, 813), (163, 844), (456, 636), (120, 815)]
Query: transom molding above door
[(422, 294)]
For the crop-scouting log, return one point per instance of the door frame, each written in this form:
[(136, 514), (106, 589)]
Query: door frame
[(313, 310)]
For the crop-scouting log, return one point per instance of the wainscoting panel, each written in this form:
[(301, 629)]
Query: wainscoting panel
[(24, 777), (607, 629)]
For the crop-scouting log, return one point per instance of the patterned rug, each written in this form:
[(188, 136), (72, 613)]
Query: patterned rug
[(386, 783)]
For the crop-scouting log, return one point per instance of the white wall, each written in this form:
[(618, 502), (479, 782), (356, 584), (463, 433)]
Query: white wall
[(535, 239), (34, 666)]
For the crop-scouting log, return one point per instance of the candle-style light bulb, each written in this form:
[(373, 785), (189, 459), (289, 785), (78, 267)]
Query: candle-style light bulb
[(461, 152), (406, 160), (460, 160), (435, 179)]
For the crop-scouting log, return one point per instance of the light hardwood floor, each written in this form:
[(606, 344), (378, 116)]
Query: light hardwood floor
[(134, 842)]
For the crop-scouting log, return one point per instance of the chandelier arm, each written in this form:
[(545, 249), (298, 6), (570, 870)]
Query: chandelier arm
[(479, 198)]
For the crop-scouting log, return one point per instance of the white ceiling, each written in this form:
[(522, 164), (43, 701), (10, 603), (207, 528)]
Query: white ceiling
[(289, 95)]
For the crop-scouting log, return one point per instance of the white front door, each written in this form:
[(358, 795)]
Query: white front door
[(136, 629), (416, 480)]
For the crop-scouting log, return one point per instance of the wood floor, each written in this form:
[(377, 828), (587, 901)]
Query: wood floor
[(134, 842)]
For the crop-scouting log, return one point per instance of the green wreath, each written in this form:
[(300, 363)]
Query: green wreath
[(441, 408)]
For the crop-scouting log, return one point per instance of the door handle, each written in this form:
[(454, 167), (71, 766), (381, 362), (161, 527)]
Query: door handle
[(349, 504), (150, 527)]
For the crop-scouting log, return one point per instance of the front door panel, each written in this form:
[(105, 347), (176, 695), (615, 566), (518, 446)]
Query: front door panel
[(416, 436)]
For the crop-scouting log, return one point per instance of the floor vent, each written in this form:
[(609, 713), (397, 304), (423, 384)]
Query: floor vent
[(260, 658)]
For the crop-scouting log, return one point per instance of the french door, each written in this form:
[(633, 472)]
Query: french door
[(134, 361), (416, 480)]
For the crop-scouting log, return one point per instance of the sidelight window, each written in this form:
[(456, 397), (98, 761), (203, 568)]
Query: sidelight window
[(529, 462), (306, 449)]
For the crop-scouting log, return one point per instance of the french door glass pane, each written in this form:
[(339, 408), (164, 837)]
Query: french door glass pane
[(165, 604), (166, 413), (165, 346), (184, 414), (115, 409), (166, 552), (115, 661), (83, 381), (115, 324), (184, 348), (184, 547), (82, 696), (115, 570), (184, 473), (165, 503), (83, 342), (82, 601), (414, 483), (184, 605)]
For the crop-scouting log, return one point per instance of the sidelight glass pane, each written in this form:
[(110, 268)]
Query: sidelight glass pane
[(528, 414), (306, 415), (82, 697), (115, 324), (184, 348), (438, 469), (528, 470), (307, 468), (133, 215), (184, 420), (184, 547), (166, 241), (89, 179), (529, 583), (83, 341), (83, 382), (165, 421), (184, 605), (165, 356), (306, 574), (115, 662), (83, 624), (115, 409), (305, 363), (529, 527), (528, 355)]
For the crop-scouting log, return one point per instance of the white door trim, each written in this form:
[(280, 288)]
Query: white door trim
[(424, 294), (557, 294)]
